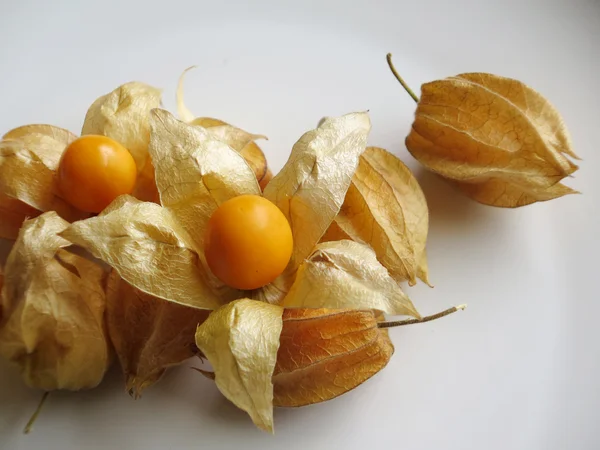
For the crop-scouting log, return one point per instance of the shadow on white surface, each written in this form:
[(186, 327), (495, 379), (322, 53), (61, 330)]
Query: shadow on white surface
[(448, 207)]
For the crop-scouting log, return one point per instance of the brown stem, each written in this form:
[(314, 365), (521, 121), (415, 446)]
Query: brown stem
[(400, 79), (399, 323), (35, 414), (206, 373)]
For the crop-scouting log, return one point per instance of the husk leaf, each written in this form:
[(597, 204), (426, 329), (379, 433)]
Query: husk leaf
[(13, 213), (195, 172), (149, 334), (239, 140), (124, 115), (386, 209), (346, 274), (311, 187), (53, 306), (149, 249), (325, 353), (241, 340), (29, 159), (502, 143)]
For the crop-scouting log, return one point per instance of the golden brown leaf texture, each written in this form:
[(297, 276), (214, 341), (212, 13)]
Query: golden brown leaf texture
[(1, 284), (265, 356), (239, 140), (265, 180), (149, 334), (242, 142), (497, 139), (53, 304), (160, 248), (324, 353), (29, 158), (346, 274), (124, 115), (13, 213), (311, 186), (386, 209), (241, 340)]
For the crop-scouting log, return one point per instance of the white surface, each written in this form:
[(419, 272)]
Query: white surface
[(518, 370)]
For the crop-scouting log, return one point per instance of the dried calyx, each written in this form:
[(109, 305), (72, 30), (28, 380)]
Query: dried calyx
[(264, 356), (358, 221), (499, 141)]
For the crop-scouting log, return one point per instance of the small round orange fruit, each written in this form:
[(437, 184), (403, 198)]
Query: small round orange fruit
[(93, 171), (248, 242)]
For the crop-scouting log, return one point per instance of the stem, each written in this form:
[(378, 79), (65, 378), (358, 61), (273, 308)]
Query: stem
[(35, 414), (206, 373), (399, 323), (400, 79)]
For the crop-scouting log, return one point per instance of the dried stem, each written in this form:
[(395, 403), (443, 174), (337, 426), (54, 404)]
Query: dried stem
[(399, 323), (206, 373), (35, 414), (400, 79)]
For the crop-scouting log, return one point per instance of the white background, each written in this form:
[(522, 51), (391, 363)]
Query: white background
[(519, 369)]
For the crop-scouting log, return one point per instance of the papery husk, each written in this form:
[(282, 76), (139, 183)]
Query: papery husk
[(149, 334), (335, 233), (266, 179), (241, 340), (502, 143), (13, 213), (160, 250), (239, 140), (124, 115), (195, 172), (346, 274), (53, 304), (386, 209), (311, 187), (55, 133), (29, 159), (325, 353), (145, 185), (149, 248), (1, 284)]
